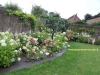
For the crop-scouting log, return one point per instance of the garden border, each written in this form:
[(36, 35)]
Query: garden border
[(22, 64)]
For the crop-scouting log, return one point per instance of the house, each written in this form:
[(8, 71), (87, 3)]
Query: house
[(93, 20), (74, 18)]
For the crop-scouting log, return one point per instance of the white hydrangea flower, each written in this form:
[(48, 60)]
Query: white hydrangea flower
[(44, 50), (19, 59), (20, 49), (24, 38), (3, 44), (11, 44), (24, 47), (12, 40), (12, 59), (37, 58), (66, 38), (2, 41), (16, 51), (68, 45), (47, 53), (64, 32), (41, 52), (2, 33), (18, 40), (66, 42), (7, 32), (28, 50), (35, 39), (5, 37), (33, 50)]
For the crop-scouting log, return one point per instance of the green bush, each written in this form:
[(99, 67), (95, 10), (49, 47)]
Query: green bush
[(97, 42), (41, 36), (92, 31), (95, 24), (8, 49), (81, 22)]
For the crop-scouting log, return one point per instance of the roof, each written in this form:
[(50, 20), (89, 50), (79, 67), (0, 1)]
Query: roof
[(74, 18), (93, 20)]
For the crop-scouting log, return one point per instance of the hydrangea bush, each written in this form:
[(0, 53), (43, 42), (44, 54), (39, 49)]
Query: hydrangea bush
[(8, 49)]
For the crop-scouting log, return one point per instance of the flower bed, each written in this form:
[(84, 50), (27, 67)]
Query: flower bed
[(83, 37), (34, 46)]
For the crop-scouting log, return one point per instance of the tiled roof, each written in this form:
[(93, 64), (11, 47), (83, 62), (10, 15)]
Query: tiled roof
[(93, 20)]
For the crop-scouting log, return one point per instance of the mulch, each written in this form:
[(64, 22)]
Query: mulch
[(22, 64)]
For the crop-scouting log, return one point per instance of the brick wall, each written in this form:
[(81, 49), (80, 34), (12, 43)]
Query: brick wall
[(14, 23)]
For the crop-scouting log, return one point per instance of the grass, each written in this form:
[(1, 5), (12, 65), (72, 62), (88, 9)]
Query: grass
[(82, 62)]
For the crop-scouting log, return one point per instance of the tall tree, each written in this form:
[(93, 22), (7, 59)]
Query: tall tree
[(87, 17), (12, 6), (37, 11)]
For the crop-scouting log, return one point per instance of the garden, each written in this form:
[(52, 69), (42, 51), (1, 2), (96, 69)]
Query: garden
[(53, 50), (39, 45)]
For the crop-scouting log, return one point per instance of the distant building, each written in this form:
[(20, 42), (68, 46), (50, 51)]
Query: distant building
[(74, 18), (93, 20)]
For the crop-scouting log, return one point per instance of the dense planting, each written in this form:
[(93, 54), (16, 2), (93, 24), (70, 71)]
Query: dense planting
[(34, 45)]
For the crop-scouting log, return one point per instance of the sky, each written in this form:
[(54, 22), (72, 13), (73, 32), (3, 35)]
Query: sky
[(66, 8)]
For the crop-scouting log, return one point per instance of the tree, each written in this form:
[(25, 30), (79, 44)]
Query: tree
[(12, 6), (37, 11), (54, 14), (63, 25), (87, 17), (56, 24), (45, 14), (97, 15)]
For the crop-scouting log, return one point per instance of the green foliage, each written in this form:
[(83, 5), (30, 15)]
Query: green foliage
[(97, 42), (81, 22), (92, 31), (83, 38), (37, 11), (87, 17), (54, 14), (8, 49), (56, 24), (12, 6), (97, 15), (41, 36), (95, 24), (73, 60), (42, 27), (79, 29), (26, 18)]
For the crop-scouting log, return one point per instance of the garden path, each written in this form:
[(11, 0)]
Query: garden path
[(22, 64)]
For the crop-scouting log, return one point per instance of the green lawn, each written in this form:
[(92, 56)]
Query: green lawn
[(80, 62)]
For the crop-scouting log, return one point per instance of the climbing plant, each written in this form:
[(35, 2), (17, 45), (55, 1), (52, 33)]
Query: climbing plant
[(26, 18)]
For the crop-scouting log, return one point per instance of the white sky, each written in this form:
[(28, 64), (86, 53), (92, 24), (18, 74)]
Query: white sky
[(65, 8)]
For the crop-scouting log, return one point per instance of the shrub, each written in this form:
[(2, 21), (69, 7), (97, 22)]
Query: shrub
[(97, 42), (96, 24), (92, 31), (9, 51)]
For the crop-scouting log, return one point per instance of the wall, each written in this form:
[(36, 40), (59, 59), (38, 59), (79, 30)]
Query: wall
[(88, 27), (14, 23)]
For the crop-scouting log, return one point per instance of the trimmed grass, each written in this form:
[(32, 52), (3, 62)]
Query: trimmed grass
[(79, 62)]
